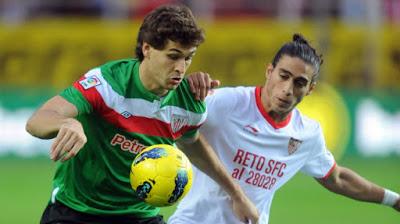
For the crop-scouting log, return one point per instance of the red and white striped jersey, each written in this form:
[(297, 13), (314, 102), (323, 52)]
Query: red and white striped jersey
[(120, 118)]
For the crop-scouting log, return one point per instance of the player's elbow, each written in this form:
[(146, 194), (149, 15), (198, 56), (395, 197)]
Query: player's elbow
[(334, 182), (31, 128)]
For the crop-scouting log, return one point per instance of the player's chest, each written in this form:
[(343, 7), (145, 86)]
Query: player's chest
[(260, 138), (155, 118)]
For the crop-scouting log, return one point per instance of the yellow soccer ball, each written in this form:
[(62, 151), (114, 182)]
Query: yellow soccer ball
[(161, 175)]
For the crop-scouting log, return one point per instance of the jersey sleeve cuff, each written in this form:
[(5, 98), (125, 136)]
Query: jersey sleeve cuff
[(328, 174)]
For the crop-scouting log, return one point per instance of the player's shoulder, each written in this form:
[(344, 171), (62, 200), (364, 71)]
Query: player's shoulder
[(119, 74), (116, 67), (304, 123), (230, 99), (237, 91), (183, 97)]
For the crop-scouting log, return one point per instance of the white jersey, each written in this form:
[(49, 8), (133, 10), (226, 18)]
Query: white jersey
[(260, 154)]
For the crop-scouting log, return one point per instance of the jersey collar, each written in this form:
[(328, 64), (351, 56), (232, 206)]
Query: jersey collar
[(269, 119), (140, 87)]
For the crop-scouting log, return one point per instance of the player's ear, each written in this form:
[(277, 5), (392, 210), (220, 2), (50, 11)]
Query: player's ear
[(146, 49), (268, 71), (311, 88)]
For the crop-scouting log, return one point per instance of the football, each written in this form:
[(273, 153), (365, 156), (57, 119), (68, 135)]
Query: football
[(161, 175)]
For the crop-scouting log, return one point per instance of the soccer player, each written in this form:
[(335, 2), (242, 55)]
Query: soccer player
[(263, 140), (109, 115)]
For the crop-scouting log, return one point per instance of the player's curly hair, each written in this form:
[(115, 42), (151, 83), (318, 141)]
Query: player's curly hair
[(299, 47), (169, 22)]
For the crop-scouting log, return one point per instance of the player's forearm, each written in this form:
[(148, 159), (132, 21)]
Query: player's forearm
[(45, 124), (47, 121), (348, 183), (204, 158)]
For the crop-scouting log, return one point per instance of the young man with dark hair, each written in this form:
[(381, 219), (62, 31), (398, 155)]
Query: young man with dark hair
[(108, 116), (263, 140)]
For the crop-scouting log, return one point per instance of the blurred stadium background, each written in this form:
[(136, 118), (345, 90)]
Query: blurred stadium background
[(47, 44)]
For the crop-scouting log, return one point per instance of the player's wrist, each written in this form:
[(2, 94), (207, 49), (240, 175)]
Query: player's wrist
[(390, 198), (237, 193)]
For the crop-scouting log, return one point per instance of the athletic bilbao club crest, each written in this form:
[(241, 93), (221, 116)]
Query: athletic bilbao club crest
[(178, 121), (293, 145)]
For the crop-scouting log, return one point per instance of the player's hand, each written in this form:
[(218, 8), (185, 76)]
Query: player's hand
[(200, 83), (397, 205), (245, 210), (70, 139)]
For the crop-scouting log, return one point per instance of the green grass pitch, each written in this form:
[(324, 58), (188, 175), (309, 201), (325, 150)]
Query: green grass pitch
[(25, 189)]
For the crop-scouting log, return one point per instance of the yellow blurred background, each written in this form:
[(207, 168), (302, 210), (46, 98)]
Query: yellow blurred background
[(46, 45)]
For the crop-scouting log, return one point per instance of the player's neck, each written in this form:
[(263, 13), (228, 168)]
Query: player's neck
[(148, 81), (266, 103), (277, 117)]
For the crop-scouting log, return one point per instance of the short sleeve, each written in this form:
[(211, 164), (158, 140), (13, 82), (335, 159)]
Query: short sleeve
[(321, 162), (84, 94), (73, 96)]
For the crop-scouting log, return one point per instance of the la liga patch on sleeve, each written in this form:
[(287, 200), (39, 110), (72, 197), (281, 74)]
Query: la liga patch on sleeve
[(90, 82)]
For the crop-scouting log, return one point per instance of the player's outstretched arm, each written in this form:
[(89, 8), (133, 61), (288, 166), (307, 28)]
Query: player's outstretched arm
[(350, 184), (56, 119), (203, 157)]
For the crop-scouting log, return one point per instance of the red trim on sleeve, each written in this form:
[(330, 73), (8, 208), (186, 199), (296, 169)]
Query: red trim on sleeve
[(137, 124), (329, 172), (270, 120)]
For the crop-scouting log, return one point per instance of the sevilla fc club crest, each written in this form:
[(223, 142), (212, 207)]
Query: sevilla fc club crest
[(293, 145), (178, 121)]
